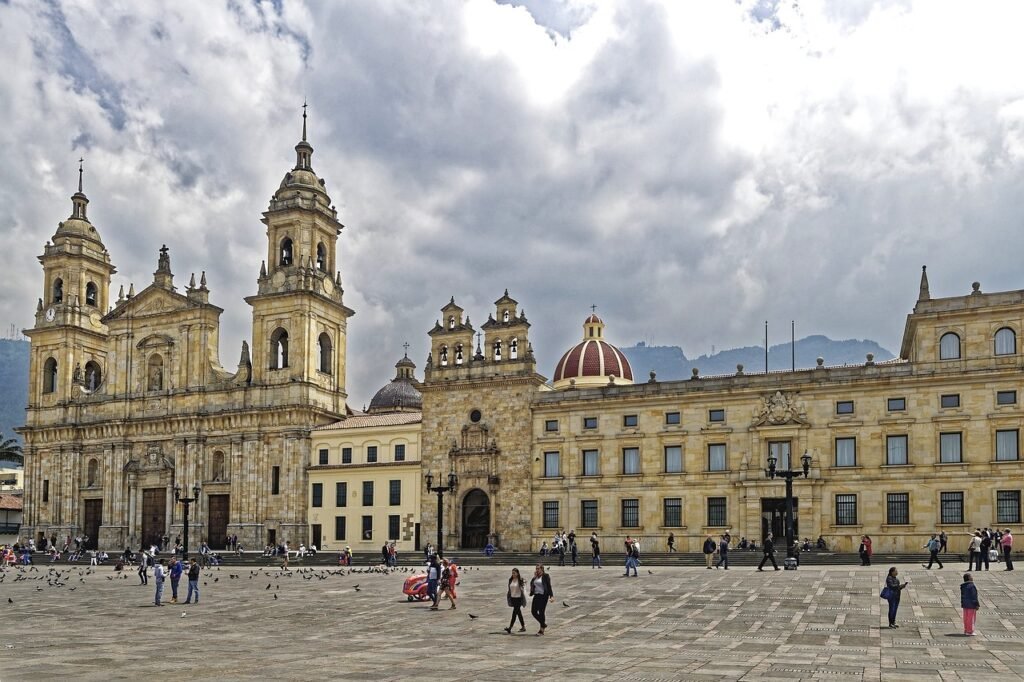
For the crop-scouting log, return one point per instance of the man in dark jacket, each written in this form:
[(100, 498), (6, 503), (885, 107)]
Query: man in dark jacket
[(769, 553), (709, 551), (723, 552)]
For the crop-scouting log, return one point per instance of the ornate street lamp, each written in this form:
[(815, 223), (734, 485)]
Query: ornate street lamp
[(789, 475), (186, 501), (453, 482)]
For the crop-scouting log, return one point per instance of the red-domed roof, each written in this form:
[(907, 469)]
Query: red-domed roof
[(591, 361)]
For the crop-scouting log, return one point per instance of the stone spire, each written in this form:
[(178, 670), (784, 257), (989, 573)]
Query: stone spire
[(78, 200), (303, 150), (924, 294)]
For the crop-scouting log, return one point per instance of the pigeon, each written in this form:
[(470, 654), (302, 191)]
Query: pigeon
[(267, 587), (472, 617), (10, 601), (565, 604), (650, 572), (275, 596), (182, 614), (216, 579), (356, 588)]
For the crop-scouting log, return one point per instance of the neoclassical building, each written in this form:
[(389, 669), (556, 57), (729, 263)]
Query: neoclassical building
[(128, 398), (899, 449)]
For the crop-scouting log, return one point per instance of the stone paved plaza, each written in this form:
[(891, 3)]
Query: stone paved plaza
[(670, 624)]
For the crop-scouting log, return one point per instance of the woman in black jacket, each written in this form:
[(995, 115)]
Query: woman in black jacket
[(540, 590), (517, 600)]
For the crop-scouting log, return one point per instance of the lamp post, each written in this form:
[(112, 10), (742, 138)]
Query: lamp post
[(186, 501), (789, 475), (453, 482)]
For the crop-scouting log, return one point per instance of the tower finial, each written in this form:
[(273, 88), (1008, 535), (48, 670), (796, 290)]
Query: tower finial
[(924, 294), (406, 347), (304, 105), (80, 161)]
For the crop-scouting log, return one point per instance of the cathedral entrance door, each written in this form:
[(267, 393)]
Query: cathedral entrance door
[(154, 515), (217, 524), (476, 519), (92, 521), (773, 519)]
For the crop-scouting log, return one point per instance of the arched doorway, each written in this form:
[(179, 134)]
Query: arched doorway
[(476, 519)]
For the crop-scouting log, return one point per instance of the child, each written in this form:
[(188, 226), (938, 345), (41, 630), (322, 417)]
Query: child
[(969, 603)]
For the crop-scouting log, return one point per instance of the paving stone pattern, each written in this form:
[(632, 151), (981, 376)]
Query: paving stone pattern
[(669, 624)]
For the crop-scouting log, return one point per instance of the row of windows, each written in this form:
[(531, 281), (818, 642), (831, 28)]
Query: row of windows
[(287, 254), (91, 293), (629, 516), (951, 508), (341, 494), (457, 354), (1004, 343), (1007, 449), (394, 528), (279, 351), (897, 505), (717, 415), (373, 453)]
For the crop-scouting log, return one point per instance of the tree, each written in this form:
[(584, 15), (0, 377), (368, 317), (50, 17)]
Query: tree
[(10, 451)]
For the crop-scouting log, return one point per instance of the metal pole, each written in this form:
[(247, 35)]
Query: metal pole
[(766, 346), (440, 522), (184, 549), (789, 513), (792, 343)]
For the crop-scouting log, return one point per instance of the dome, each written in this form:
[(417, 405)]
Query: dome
[(400, 395), (593, 360)]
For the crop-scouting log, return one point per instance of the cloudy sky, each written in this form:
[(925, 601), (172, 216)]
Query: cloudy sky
[(692, 168)]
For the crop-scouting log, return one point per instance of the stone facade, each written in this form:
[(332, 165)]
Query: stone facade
[(129, 400)]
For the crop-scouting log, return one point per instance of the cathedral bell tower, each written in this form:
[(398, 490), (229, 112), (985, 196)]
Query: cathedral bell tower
[(299, 321), (69, 338)]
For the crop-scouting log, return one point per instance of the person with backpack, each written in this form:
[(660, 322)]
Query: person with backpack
[(933, 552), (891, 593), (983, 552), (969, 603)]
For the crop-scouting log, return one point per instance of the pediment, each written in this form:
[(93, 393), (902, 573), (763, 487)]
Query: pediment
[(151, 301)]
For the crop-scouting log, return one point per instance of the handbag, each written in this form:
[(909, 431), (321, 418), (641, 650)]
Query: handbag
[(886, 593)]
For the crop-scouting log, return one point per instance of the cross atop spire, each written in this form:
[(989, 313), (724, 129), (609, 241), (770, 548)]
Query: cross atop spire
[(80, 161), (406, 347), (303, 150), (304, 105), (593, 308)]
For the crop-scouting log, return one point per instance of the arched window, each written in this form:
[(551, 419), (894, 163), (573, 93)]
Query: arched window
[(505, 316), (444, 356), (458, 354), (325, 347), (949, 346), (58, 290), (497, 349), (279, 349), (513, 348), (92, 473), (49, 375), (218, 466), (451, 322), (90, 294), (1006, 341), (286, 251), (155, 373), (321, 257), (93, 375)]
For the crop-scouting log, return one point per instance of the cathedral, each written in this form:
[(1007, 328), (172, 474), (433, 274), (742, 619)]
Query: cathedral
[(130, 406)]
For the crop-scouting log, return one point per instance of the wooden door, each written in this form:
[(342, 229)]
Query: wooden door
[(93, 520), (316, 538), (217, 520), (154, 516)]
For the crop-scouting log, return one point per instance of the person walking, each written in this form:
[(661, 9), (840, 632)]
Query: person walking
[(723, 552), (540, 590), (933, 552), (630, 563), (943, 542), (143, 567), (983, 552), (768, 548), (433, 578), (969, 603), (176, 570), (517, 600), (575, 551), (865, 558), (158, 575), (595, 549), (973, 548), (193, 581), (672, 543), (709, 552), (1007, 544), (449, 578), (891, 594)]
